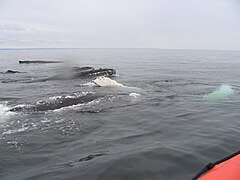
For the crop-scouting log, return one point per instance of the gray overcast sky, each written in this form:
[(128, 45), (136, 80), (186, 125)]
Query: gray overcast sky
[(168, 24)]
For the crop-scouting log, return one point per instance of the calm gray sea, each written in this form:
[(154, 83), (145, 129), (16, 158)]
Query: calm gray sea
[(160, 126)]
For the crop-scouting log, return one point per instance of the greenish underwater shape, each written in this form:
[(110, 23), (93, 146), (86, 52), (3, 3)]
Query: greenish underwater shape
[(223, 92)]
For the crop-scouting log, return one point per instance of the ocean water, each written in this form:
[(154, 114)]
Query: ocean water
[(159, 126)]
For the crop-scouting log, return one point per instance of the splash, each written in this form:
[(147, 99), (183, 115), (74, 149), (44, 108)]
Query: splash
[(88, 84), (4, 112), (223, 92)]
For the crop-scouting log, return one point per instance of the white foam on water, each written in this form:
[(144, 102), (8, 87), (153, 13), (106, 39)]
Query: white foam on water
[(95, 101), (5, 113), (67, 108), (88, 84), (77, 106), (22, 105), (134, 95), (16, 130), (70, 96), (55, 97), (84, 93)]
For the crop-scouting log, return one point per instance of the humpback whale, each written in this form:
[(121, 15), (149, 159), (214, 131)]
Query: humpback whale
[(57, 103), (12, 72), (82, 72), (79, 72)]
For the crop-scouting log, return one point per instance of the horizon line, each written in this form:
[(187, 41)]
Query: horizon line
[(42, 48)]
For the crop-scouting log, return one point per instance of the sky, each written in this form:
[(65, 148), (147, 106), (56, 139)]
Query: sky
[(165, 24)]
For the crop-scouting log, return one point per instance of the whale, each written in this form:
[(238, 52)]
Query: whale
[(79, 72), (57, 103), (11, 72), (38, 62)]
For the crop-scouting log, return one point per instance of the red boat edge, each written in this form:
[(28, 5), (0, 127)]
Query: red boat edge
[(224, 169)]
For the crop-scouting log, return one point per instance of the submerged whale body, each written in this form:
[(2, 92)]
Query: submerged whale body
[(63, 101), (38, 62), (222, 92)]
